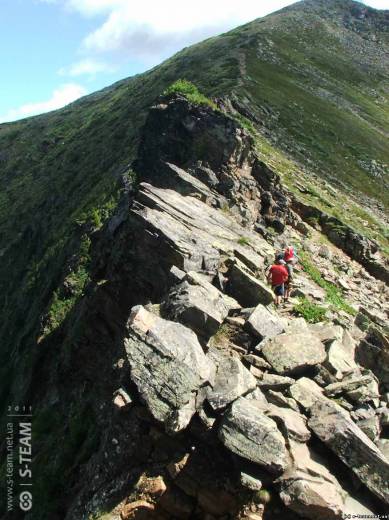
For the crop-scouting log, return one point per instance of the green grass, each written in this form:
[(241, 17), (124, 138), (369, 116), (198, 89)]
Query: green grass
[(191, 92), (243, 241), (310, 311), (334, 295)]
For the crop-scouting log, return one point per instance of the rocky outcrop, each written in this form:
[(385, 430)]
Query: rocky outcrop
[(219, 401), (245, 287)]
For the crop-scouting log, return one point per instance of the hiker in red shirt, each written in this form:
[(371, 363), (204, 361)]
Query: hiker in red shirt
[(278, 276)]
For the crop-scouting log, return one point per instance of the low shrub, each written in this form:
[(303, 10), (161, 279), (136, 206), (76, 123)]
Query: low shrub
[(310, 311), (190, 91)]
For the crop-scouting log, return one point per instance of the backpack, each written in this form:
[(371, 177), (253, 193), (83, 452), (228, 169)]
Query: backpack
[(289, 254)]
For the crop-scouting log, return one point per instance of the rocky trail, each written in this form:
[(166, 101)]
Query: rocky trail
[(222, 405)]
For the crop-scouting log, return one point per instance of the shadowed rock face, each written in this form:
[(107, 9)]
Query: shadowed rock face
[(190, 136)]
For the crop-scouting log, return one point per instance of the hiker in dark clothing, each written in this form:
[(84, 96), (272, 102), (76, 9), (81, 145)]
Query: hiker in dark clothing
[(290, 259), (278, 276)]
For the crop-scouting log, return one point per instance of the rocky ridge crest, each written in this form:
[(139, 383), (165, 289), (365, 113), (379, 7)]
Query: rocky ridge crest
[(219, 402)]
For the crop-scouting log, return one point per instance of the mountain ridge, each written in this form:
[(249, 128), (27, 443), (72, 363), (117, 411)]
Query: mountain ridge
[(317, 114)]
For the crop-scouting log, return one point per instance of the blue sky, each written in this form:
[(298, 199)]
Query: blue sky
[(54, 51)]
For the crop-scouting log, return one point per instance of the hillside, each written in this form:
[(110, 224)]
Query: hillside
[(307, 90)]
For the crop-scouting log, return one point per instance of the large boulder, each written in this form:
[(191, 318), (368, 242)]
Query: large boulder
[(308, 488), (198, 304), (336, 429), (263, 323), (168, 366), (248, 432), (248, 290), (231, 381), (293, 353)]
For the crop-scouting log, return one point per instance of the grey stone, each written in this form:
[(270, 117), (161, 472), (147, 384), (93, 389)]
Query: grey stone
[(326, 332), (383, 446), (245, 288), (274, 382), (232, 379), (325, 252), (297, 325), (371, 427), (292, 424), (335, 428), (256, 361), (383, 415), (293, 353), (359, 389), (280, 400), (168, 366), (253, 261), (341, 358), (199, 305), (306, 392), (354, 507), (308, 488), (246, 431), (250, 482), (264, 324)]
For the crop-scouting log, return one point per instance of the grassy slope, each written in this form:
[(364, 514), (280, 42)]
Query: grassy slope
[(327, 89), (297, 71)]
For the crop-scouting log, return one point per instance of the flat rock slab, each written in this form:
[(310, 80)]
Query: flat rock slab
[(308, 488), (232, 380), (335, 428), (246, 431), (168, 366), (264, 324), (293, 353)]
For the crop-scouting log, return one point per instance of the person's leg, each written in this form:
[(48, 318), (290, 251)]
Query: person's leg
[(279, 291)]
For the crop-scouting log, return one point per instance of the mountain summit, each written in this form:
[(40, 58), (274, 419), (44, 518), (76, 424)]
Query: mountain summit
[(136, 228)]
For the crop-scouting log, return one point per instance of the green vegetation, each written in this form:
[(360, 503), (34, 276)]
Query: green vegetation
[(333, 293), (244, 241), (78, 440), (191, 92), (310, 311)]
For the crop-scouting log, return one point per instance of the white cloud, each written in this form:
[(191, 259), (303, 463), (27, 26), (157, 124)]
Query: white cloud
[(87, 66), (152, 29), (61, 96)]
